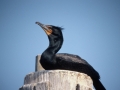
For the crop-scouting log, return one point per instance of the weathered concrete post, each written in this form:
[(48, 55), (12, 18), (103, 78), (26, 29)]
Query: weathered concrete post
[(38, 66), (56, 80)]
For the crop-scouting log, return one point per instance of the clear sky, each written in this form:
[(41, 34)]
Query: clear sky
[(91, 30)]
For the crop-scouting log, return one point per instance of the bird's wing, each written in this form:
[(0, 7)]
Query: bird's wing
[(72, 58), (75, 63)]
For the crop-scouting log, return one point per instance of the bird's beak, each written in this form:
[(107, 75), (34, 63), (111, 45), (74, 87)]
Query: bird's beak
[(46, 28)]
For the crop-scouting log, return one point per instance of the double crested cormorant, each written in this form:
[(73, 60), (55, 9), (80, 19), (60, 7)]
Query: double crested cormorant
[(51, 61)]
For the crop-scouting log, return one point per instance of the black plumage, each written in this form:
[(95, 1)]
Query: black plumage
[(51, 61)]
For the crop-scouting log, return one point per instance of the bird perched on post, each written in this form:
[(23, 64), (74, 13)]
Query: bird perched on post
[(51, 61)]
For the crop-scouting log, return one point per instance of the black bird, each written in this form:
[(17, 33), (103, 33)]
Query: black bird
[(51, 61)]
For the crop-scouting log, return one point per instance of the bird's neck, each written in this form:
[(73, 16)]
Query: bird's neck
[(54, 45), (53, 48), (48, 55)]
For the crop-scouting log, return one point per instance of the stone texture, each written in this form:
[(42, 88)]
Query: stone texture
[(57, 80)]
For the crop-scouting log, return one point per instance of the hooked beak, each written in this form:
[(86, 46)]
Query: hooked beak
[(46, 28)]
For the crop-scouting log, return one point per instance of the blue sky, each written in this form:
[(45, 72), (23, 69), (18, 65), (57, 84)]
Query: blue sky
[(91, 30)]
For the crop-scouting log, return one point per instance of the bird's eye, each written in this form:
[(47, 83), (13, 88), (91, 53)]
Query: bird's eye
[(55, 34), (50, 27)]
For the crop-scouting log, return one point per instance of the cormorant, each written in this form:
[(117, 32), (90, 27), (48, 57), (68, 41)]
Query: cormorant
[(51, 61)]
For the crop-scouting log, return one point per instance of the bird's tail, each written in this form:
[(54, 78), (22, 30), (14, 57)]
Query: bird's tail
[(98, 85)]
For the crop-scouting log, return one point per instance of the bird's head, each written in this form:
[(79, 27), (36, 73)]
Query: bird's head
[(54, 33)]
